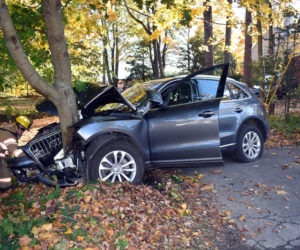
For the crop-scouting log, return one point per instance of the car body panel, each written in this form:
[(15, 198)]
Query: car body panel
[(178, 133), (134, 128)]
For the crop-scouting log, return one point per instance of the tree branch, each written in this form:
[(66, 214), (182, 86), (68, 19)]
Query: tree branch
[(63, 8), (137, 20), (16, 50), (141, 13)]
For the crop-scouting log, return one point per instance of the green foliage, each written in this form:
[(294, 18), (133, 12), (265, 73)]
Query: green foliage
[(139, 63), (289, 127), (80, 86), (121, 244), (30, 29)]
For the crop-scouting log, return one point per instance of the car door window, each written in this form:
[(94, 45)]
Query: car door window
[(227, 94), (236, 92), (183, 93), (207, 88)]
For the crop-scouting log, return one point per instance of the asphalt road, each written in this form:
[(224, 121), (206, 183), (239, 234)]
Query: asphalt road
[(262, 197)]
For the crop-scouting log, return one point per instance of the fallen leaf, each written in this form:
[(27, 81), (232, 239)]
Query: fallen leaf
[(87, 198), (207, 187), (69, 231), (219, 171), (287, 208), (258, 230), (183, 206), (79, 238), (232, 221), (230, 198), (242, 218), (281, 192), (201, 176), (289, 177), (24, 241), (244, 229), (285, 199), (46, 227)]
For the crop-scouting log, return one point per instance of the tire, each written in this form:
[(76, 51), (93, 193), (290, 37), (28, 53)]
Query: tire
[(129, 165), (250, 144)]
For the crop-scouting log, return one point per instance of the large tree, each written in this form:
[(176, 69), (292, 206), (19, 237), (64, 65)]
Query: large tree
[(60, 91), (208, 34), (248, 49)]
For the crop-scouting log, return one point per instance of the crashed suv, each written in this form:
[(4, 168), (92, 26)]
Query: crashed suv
[(166, 123)]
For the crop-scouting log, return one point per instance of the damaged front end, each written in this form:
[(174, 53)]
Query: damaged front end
[(45, 158), (46, 161)]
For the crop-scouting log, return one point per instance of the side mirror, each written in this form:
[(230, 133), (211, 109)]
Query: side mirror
[(154, 97)]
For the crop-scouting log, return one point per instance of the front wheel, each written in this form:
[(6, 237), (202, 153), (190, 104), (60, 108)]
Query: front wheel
[(250, 144), (117, 161)]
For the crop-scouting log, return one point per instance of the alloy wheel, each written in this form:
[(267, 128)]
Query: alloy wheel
[(251, 145), (117, 165)]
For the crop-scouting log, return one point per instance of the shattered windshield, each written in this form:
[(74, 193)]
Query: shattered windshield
[(135, 94)]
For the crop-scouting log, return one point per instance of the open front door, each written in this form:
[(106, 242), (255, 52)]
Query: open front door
[(186, 129)]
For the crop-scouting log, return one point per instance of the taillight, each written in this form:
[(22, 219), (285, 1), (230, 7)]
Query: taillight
[(264, 106)]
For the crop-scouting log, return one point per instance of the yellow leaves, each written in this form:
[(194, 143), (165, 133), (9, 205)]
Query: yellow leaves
[(87, 198), (201, 176), (69, 231), (155, 35), (112, 16)]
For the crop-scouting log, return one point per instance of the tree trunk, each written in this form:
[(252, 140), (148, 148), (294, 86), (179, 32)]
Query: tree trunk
[(188, 51), (159, 57), (155, 61), (248, 48), (227, 54), (208, 34), (260, 61), (271, 53), (61, 92), (117, 55)]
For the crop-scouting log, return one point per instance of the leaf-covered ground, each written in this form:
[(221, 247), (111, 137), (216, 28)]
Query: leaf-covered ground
[(171, 211)]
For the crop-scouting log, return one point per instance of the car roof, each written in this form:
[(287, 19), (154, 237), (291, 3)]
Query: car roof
[(208, 77)]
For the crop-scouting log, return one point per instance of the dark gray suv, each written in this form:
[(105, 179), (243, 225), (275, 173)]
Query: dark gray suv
[(180, 121), (243, 125)]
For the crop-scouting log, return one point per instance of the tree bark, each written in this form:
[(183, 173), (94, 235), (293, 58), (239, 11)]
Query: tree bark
[(155, 61), (159, 57), (248, 49), (208, 34), (117, 56), (61, 92), (260, 61), (227, 54)]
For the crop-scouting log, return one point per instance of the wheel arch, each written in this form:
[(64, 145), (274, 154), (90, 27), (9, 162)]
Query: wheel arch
[(103, 139), (253, 121)]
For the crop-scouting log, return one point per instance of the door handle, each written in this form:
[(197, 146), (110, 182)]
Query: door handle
[(206, 114), (238, 110)]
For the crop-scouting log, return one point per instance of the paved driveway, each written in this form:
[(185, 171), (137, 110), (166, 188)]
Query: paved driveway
[(263, 197)]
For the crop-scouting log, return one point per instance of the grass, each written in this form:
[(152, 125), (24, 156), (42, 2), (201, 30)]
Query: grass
[(289, 127)]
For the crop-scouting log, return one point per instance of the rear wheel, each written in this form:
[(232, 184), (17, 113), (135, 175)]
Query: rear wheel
[(250, 144), (117, 161)]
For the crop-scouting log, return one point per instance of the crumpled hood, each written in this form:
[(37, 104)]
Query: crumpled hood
[(90, 99)]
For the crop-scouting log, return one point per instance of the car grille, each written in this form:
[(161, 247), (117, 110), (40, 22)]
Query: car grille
[(46, 147)]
